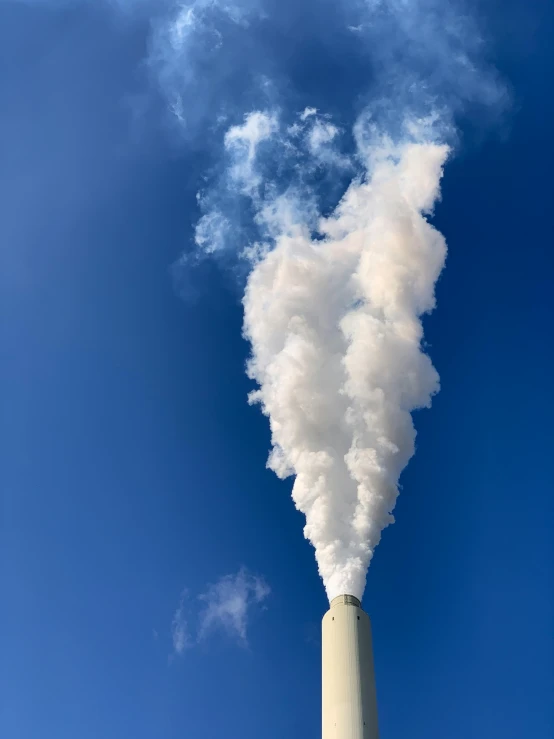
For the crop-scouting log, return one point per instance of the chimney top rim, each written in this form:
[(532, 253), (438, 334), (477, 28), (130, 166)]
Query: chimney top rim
[(346, 600)]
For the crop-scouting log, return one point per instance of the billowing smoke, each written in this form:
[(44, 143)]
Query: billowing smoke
[(334, 324), (335, 294)]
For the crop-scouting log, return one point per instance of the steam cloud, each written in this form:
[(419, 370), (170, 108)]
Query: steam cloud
[(334, 297), (334, 323), (332, 309), (336, 349)]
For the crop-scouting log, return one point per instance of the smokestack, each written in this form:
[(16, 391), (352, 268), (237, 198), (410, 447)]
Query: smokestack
[(349, 701)]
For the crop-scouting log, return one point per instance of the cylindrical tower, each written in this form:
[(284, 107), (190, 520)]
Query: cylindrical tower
[(349, 702)]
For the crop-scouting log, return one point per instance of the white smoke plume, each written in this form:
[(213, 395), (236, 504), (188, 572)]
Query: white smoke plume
[(336, 336)]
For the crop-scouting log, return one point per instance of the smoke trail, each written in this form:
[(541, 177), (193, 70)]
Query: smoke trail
[(334, 296)]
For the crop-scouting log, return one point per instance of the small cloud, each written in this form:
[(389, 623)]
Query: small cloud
[(242, 143), (155, 635), (321, 134), (176, 107), (307, 112), (257, 126), (211, 232), (320, 139), (182, 25), (193, 18), (179, 628), (229, 604)]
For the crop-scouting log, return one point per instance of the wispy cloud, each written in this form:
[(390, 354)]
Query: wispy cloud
[(243, 142), (307, 112), (179, 628), (320, 141), (277, 165), (229, 604), (211, 231), (195, 51)]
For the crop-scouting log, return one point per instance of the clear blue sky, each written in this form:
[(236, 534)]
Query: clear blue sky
[(133, 468)]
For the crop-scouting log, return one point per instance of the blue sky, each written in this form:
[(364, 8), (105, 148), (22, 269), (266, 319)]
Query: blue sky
[(156, 582)]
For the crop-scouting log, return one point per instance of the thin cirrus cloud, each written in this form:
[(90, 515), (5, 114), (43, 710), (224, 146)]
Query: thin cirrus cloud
[(179, 628), (227, 607)]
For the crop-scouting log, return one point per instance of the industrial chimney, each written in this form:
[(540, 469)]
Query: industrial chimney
[(349, 702)]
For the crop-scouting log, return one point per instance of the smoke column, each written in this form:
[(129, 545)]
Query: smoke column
[(334, 297), (336, 349)]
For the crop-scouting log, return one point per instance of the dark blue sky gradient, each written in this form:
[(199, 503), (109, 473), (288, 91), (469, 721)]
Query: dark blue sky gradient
[(133, 466)]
